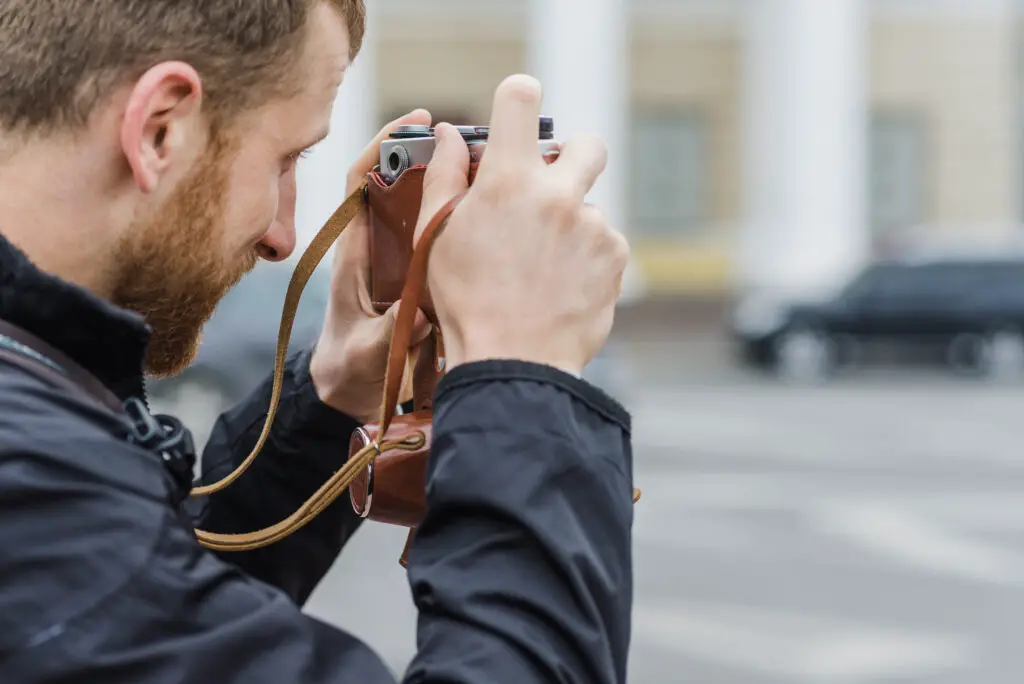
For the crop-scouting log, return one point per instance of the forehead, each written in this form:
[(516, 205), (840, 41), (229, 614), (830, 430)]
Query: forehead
[(326, 54), (320, 69)]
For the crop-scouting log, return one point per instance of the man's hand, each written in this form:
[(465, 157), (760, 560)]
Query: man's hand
[(524, 269), (351, 355)]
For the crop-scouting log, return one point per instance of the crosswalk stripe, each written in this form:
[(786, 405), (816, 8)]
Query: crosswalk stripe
[(799, 647)]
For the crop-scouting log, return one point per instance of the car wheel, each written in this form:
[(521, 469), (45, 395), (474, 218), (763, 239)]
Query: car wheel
[(966, 352), (804, 355), (1003, 354)]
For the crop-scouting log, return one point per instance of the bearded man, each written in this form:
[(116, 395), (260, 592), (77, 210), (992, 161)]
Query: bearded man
[(147, 162)]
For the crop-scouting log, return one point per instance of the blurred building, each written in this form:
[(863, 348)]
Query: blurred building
[(762, 142)]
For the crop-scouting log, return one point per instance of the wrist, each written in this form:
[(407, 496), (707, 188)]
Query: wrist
[(460, 352), (331, 385), (321, 374)]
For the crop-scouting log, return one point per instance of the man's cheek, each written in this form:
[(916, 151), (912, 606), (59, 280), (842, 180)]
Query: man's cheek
[(287, 198)]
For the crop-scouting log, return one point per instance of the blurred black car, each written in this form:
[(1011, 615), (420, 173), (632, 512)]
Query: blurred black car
[(967, 313)]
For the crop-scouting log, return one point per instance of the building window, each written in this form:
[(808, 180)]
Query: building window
[(669, 173), (897, 174)]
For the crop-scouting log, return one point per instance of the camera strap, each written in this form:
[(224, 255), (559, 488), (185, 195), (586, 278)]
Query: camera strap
[(401, 338)]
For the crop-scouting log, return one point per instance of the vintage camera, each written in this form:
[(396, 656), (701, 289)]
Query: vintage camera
[(394, 193), (391, 488), (413, 146)]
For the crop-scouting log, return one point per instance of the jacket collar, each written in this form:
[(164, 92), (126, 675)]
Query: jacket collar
[(108, 341)]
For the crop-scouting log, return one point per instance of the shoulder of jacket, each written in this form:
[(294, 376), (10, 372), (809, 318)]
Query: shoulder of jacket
[(65, 435), (24, 392)]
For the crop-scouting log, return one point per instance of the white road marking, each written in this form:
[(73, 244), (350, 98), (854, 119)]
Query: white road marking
[(917, 541), (772, 424), (799, 647), (937, 533)]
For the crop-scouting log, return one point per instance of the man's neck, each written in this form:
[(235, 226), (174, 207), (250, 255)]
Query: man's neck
[(51, 208)]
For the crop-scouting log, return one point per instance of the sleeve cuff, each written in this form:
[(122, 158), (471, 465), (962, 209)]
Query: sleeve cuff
[(302, 410), (505, 370)]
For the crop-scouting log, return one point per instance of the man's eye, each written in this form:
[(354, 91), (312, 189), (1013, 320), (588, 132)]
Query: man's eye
[(292, 159)]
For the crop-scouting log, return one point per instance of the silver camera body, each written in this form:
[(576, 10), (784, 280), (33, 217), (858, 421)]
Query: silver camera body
[(412, 146)]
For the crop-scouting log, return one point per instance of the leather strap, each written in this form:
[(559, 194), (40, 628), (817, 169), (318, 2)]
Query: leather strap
[(401, 338), (415, 281), (398, 355), (312, 257)]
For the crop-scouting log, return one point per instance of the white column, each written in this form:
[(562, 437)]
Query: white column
[(805, 145), (321, 176), (579, 50)]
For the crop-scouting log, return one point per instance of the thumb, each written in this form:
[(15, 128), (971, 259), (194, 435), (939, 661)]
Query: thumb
[(446, 176), (385, 327)]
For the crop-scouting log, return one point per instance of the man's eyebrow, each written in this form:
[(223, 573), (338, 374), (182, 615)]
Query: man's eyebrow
[(320, 137), (316, 141)]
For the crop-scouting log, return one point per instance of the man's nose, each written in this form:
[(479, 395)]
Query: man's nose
[(279, 242)]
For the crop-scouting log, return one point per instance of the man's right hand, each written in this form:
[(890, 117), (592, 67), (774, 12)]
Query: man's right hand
[(524, 269)]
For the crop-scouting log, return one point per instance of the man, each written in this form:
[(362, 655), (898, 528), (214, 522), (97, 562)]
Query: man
[(147, 161)]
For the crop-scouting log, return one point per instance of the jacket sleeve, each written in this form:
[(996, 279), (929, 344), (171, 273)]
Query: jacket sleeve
[(522, 569), (307, 444)]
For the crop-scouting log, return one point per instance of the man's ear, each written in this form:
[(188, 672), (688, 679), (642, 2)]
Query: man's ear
[(162, 121)]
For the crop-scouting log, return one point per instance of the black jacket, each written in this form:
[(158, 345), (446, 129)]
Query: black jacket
[(521, 572)]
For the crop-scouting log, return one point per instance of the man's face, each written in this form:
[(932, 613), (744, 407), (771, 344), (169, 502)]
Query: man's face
[(235, 205)]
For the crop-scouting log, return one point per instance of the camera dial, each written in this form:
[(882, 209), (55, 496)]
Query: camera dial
[(398, 160)]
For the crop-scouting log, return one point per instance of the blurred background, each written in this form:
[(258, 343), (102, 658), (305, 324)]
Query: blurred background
[(820, 339)]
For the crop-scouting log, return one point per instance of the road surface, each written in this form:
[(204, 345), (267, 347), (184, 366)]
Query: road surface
[(866, 532)]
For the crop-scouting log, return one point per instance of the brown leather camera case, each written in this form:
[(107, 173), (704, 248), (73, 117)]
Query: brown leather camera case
[(392, 489), (394, 211)]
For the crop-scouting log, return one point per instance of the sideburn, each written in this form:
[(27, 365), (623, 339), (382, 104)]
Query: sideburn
[(172, 268)]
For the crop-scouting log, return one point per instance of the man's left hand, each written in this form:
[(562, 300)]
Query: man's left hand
[(351, 356)]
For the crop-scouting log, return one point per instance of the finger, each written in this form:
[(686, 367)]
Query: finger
[(606, 245), (352, 252), (351, 266), (446, 176), (620, 253), (370, 155), (583, 158), (421, 328), (610, 244), (515, 121)]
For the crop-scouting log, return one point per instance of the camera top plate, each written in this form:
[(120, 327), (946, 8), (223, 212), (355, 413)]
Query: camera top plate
[(469, 133)]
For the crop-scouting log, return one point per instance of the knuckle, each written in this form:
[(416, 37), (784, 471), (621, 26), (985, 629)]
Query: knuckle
[(595, 224), (593, 216), (489, 190), (621, 250), (559, 203)]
